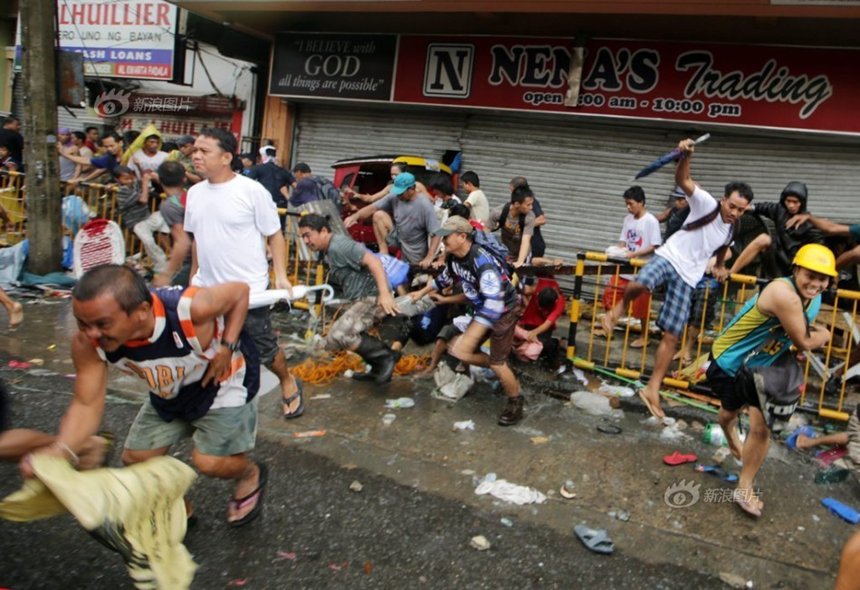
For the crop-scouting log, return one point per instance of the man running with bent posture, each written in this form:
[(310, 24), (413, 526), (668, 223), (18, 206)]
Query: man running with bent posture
[(201, 369)]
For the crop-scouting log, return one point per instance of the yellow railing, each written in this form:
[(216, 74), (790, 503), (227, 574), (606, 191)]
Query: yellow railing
[(590, 349), (101, 201)]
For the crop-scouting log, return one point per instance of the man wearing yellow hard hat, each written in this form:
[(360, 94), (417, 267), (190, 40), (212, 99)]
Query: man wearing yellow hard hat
[(750, 363)]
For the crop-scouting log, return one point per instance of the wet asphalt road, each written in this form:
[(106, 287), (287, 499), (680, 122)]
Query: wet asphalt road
[(387, 536)]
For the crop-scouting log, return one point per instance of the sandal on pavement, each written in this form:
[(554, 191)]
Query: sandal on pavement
[(677, 458), (289, 400), (717, 470), (595, 540), (255, 496)]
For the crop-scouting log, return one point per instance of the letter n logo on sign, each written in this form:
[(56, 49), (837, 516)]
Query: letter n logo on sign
[(449, 70)]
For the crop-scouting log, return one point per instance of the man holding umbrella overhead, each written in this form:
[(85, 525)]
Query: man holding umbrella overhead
[(681, 262)]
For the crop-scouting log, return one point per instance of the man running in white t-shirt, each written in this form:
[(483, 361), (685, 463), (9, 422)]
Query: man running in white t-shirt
[(680, 264), (229, 216)]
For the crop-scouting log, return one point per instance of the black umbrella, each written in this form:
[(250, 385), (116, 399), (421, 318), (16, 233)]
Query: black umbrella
[(672, 156)]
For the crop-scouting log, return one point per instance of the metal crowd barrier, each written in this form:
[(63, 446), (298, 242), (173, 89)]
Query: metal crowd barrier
[(589, 350), (301, 263), (101, 202)]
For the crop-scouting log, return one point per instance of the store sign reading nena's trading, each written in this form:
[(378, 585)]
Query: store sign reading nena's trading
[(785, 87), (638, 72)]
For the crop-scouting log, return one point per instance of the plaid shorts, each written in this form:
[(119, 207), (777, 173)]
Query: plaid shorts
[(676, 308), (701, 308)]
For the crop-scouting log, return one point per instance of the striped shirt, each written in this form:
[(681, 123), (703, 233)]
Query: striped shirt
[(173, 363)]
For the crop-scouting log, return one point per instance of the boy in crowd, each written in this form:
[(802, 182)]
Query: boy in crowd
[(640, 236), (789, 237), (7, 162), (675, 213), (148, 158), (540, 321), (91, 140), (477, 201), (172, 176), (517, 224), (538, 243), (182, 154), (132, 196)]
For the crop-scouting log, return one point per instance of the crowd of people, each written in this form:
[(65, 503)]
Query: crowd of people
[(199, 347)]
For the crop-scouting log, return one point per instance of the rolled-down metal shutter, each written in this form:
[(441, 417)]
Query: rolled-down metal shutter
[(329, 133), (579, 170), (77, 119)]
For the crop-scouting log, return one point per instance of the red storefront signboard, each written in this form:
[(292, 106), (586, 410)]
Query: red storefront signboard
[(749, 85)]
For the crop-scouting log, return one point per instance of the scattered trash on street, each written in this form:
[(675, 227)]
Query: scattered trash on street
[(309, 434), (509, 492), (464, 425), (480, 543), (594, 404), (735, 581), (566, 490), (356, 486), (399, 403)]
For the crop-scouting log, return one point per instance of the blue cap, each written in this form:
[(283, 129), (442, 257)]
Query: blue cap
[(403, 182)]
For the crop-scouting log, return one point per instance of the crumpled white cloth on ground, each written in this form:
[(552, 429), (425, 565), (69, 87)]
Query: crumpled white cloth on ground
[(510, 492)]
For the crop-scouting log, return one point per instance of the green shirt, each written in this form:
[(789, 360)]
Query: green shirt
[(350, 278)]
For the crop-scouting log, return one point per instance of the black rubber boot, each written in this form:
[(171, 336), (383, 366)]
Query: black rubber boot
[(513, 411), (381, 359)]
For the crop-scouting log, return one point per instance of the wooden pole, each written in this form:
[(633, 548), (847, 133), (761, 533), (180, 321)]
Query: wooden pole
[(44, 224)]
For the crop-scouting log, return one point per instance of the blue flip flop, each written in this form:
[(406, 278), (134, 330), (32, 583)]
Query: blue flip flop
[(791, 441), (716, 470), (595, 540), (841, 510)]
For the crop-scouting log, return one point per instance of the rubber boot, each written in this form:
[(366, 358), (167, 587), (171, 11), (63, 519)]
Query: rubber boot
[(513, 411), (381, 359)]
